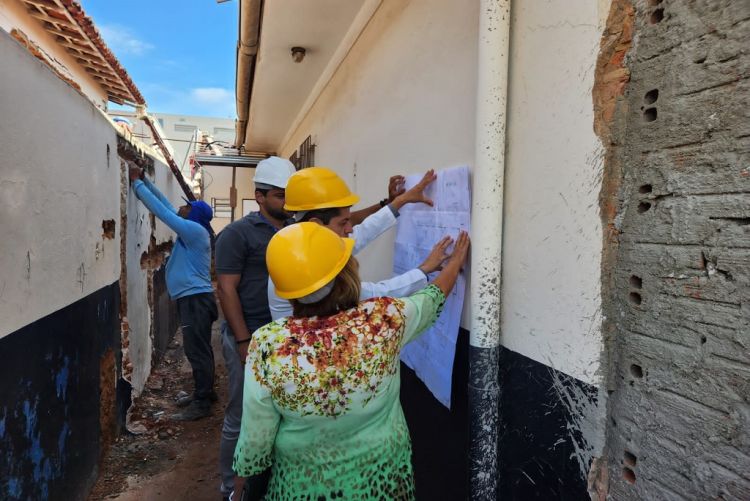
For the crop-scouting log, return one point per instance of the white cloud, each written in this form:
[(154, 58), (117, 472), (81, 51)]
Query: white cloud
[(216, 100), (211, 95), (123, 41)]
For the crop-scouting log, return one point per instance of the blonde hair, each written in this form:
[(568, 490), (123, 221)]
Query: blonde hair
[(344, 295)]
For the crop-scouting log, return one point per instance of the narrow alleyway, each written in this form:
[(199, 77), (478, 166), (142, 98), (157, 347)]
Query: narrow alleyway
[(161, 458)]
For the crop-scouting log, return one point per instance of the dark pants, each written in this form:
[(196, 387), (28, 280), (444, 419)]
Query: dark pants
[(197, 313)]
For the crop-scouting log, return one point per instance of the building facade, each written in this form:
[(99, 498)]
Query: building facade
[(619, 129)]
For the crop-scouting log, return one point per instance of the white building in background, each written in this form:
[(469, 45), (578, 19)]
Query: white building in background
[(181, 131), (186, 136)]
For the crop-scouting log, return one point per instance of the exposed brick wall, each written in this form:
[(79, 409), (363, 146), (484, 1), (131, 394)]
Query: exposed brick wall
[(678, 301)]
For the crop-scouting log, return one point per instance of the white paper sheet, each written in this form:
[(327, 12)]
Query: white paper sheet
[(420, 227)]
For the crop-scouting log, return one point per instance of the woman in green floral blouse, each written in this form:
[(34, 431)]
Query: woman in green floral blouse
[(321, 412)]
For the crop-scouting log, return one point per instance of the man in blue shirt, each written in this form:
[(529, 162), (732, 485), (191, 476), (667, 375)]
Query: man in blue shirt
[(189, 283)]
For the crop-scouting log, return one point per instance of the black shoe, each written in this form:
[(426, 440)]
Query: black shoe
[(185, 400), (197, 409)]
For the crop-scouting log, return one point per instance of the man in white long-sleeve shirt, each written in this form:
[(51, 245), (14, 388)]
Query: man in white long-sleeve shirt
[(319, 195)]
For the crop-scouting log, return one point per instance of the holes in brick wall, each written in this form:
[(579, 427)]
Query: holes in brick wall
[(700, 59), (108, 228), (656, 16), (629, 459), (651, 96), (703, 339), (645, 188), (636, 371), (649, 115), (654, 3), (635, 298), (628, 475), (643, 207), (636, 282)]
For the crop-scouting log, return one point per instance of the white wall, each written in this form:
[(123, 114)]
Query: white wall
[(59, 179), (553, 234), (139, 310), (401, 102), (13, 14)]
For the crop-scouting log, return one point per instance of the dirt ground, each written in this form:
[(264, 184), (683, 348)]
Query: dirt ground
[(160, 458)]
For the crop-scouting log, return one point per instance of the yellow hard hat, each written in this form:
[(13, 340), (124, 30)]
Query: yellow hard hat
[(304, 257), (317, 188)]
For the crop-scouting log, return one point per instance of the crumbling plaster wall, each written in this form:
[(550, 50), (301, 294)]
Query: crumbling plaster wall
[(147, 245), (678, 292), (59, 180)]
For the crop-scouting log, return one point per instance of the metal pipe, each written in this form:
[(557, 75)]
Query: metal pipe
[(247, 51), (486, 251)]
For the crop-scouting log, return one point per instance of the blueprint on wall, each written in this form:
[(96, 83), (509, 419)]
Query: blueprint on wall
[(420, 227)]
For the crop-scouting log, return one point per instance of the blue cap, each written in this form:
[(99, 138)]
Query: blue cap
[(201, 213)]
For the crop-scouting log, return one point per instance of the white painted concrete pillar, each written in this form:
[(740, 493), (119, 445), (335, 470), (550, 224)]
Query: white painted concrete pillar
[(486, 252)]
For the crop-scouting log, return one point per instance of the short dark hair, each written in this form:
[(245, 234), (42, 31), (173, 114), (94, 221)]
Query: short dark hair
[(325, 215), (263, 192)]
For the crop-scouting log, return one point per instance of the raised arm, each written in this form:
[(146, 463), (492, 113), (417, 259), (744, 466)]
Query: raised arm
[(411, 281), (187, 230), (376, 224), (423, 308), (153, 189), (395, 188)]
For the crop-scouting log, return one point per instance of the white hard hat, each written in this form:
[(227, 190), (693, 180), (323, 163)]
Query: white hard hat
[(273, 171)]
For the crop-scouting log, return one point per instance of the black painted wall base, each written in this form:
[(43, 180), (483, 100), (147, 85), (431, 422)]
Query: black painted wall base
[(535, 447), (50, 399), (165, 314), (439, 436), (536, 451)]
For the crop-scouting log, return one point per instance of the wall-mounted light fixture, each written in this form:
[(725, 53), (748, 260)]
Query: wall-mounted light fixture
[(298, 54)]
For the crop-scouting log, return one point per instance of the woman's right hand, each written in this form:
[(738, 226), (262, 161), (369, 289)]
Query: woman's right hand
[(461, 250), (452, 267)]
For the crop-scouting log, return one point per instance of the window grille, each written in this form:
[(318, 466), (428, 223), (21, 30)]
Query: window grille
[(222, 207), (305, 155)]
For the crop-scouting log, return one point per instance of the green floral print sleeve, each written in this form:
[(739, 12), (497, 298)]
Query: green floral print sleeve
[(321, 402), (260, 420), (421, 309)]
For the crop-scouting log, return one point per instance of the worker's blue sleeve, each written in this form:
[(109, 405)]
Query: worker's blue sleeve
[(153, 189), (188, 231)]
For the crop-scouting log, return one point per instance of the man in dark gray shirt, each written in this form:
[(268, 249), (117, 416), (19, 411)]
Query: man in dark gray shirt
[(242, 288)]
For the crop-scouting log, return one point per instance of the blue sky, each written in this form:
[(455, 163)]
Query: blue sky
[(180, 53)]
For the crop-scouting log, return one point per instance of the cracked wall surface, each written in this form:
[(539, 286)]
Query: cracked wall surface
[(678, 296), (56, 189), (68, 281), (146, 245)]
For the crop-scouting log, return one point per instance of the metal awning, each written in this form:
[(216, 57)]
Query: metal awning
[(229, 160)]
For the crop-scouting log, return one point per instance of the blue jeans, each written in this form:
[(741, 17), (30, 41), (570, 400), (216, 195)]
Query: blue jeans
[(230, 431)]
